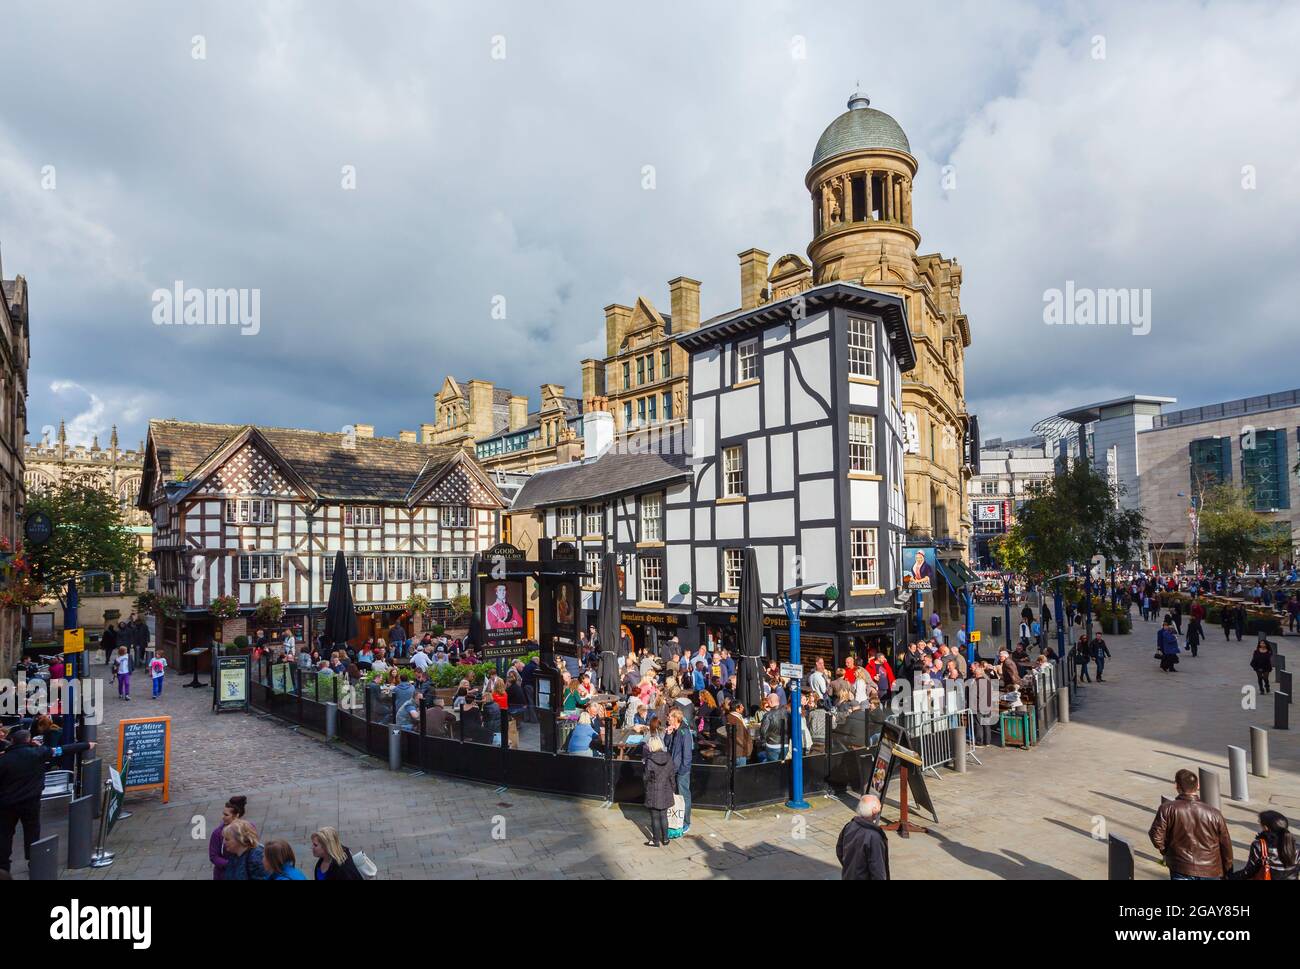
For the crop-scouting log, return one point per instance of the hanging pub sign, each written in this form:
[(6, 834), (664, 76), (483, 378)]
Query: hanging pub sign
[(38, 528), (502, 550), (565, 550), (230, 683), (918, 567), (503, 609)]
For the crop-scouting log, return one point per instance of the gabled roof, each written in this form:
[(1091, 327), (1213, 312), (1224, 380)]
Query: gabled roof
[(613, 473), (888, 307), (323, 466)]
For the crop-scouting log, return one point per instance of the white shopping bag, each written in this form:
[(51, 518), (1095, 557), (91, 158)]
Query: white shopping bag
[(677, 813)]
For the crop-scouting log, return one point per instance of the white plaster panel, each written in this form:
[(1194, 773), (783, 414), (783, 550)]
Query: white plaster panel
[(771, 519)]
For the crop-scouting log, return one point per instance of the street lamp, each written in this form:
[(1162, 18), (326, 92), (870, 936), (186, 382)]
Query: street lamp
[(792, 598)]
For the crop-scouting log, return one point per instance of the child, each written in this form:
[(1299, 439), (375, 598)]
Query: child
[(157, 668), (123, 666)]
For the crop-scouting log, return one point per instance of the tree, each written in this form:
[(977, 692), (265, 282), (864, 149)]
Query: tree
[(1233, 534), (1009, 552), (1069, 519), (90, 535)]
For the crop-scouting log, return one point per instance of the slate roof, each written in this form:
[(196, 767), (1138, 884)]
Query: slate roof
[(613, 473), (334, 467), (861, 127)]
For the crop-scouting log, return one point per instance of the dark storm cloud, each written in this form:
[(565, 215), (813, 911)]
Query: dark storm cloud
[(522, 178)]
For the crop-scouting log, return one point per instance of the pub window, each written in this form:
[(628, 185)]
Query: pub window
[(652, 518), (862, 544), (250, 511), (398, 568), (732, 558), (566, 521), (362, 516), (454, 516), (652, 578), (862, 348), (595, 520), (862, 443), (733, 472), (594, 564), (259, 568), (747, 361)]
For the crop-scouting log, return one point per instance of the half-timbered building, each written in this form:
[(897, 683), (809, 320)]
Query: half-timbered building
[(258, 512), (794, 447)]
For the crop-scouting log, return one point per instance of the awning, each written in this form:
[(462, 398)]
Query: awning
[(948, 570)]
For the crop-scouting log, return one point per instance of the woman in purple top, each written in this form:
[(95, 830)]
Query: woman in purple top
[(233, 811)]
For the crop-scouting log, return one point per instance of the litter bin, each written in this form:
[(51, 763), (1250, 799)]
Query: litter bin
[(996, 631)]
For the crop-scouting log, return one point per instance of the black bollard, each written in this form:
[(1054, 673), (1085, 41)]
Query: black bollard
[(44, 865), (1284, 683), (92, 782), (1281, 710), (81, 831), (1119, 860), (1279, 661)]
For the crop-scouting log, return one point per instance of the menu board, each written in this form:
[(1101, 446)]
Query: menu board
[(144, 747), (230, 683), (281, 678)]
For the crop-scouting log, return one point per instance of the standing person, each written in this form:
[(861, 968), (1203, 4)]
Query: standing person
[(22, 779), (1082, 657), (1194, 634), (863, 848), (1261, 661), (244, 853), (123, 673), (108, 641), (1191, 836), (1273, 852), (333, 860), (1100, 653), (157, 672), (232, 811), (1227, 617), (660, 776), (1167, 645), (681, 747), (1178, 617)]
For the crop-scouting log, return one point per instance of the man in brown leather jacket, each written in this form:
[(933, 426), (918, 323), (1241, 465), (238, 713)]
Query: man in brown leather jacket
[(1192, 836)]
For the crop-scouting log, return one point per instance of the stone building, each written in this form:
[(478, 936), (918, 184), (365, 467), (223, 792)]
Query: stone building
[(15, 350), (1008, 472), (50, 464)]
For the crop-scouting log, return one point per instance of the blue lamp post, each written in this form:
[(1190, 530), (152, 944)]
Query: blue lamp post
[(793, 598), (1006, 600)]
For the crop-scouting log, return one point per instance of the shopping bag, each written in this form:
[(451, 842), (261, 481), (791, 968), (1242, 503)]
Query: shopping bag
[(677, 817), (365, 866)]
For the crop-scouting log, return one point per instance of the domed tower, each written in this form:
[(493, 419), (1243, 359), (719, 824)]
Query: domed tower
[(860, 181), (861, 185)]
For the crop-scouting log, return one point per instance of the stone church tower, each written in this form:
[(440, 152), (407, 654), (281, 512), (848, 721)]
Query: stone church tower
[(860, 181)]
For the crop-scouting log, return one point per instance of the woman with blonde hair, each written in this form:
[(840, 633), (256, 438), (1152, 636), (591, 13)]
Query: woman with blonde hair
[(333, 860), (244, 851)]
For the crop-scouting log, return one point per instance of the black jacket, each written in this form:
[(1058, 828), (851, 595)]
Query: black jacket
[(22, 771), (863, 851), (1261, 662), (346, 872), (660, 781)]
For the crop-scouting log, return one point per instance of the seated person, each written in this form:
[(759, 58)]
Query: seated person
[(582, 737)]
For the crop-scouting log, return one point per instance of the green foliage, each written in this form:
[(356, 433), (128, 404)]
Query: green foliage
[(224, 607), (1233, 534), (240, 642), (1010, 552), (90, 535), (270, 609), (166, 607), (1070, 518), (460, 605), (417, 604)]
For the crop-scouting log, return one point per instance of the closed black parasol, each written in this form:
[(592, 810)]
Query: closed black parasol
[(475, 634), (749, 688), (340, 615), (609, 625)]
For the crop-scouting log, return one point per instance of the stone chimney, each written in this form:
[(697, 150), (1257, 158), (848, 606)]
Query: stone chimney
[(593, 382), (480, 409), (407, 437), (685, 303), (518, 412), (363, 430), (753, 277), (617, 319), (427, 431)]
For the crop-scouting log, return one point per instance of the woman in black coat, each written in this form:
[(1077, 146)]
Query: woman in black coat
[(1261, 661), (333, 861), (660, 787)]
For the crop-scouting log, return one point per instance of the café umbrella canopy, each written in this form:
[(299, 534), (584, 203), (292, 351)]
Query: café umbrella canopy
[(749, 689), (609, 625), (653, 643), (340, 615)]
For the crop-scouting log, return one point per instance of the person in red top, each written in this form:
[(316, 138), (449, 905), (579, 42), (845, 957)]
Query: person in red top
[(1198, 611), (851, 670), (875, 664)]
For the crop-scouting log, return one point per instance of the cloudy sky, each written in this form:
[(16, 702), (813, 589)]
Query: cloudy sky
[(384, 175)]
